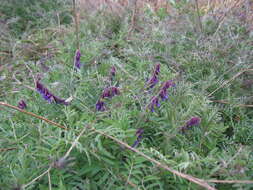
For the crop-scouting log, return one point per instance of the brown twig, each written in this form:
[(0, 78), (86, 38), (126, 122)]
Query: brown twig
[(6, 149), (200, 182), (33, 115), (229, 181), (237, 105), (230, 80)]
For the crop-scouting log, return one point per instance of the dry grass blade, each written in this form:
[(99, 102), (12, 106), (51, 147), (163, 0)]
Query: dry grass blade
[(237, 105), (230, 80)]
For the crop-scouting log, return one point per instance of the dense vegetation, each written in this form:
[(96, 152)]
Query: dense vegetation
[(177, 90)]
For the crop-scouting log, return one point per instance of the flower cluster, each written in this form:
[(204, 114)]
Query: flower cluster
[(21, 104), (78, 59), (47, 95), (108, 92), (154, 79), (194, 121), (138, 133), (163, 94)]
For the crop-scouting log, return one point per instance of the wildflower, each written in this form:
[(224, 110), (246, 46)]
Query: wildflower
[(63, 162), (164, 90), (168, 84), (100, 105), (154, 102), (157, 69), (154, 79), (163, 94), (138, 133), (21, 104), (77, 59), (110, 92), (48, 95), (194, 121)]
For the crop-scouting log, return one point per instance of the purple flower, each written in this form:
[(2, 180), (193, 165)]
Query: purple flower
[(110, 92), (138, 133), (48, 95), (168, 84), (154, 79), (163, 94), (154, 102), (78, 59), (164, 90), (157, 69), (100, 105), (21, 104), (192, 122)]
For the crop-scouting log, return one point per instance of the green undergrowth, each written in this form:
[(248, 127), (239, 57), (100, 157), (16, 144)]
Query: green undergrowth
[(219, 148)]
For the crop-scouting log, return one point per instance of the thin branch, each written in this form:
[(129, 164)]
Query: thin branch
[(229, 181), (38, 177), (200, 182), (74, 143), (6, 149), (230, 80), (237, 105), (33, 115), (49, 181)]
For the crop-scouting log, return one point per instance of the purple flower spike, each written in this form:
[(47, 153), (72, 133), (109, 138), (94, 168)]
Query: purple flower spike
[(154, 79), (115, 91), (157, 69), (110, 92), (106, 93), (48, 95), (138, 133), (78, 59), (193, 121), (163, 94), (100, 105), (154, 102), (21, 104), (168, 84)]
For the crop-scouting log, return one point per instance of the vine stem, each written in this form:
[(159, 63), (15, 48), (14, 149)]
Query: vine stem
[(33, 115)]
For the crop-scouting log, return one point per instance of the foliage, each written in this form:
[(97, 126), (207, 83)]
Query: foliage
[(219, 148)]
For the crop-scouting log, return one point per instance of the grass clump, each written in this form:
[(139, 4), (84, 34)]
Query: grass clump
[(199, 125)]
